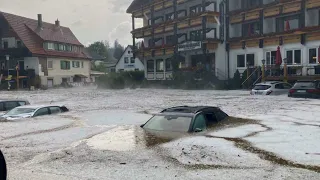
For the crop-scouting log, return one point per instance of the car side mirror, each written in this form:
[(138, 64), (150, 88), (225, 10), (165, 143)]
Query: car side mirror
[(198, 130)]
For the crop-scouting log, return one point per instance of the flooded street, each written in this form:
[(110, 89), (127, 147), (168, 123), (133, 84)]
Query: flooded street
[(100, 138)]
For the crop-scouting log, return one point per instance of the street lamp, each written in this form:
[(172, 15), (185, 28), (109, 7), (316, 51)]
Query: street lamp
[(263, 70), (8, 58)]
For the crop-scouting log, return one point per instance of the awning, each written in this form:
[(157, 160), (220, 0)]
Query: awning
[(80, 75)]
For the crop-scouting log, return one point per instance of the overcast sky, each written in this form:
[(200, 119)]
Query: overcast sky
[(90, 20)]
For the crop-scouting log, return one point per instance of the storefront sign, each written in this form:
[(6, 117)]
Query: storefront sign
[(191, 45)]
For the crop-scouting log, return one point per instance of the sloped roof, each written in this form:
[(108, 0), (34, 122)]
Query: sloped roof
[(93, 55), (131, 47), (136, 4), (33, 37)]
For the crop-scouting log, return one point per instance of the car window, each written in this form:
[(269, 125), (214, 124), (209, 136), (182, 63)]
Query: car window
[(41, 112), (2, 107), (261, 87), (55, 110), (169, 123), (279, 86), (220, 115), (10, 105), (304, 85), (200, 122), (287, 86), (22, 103)]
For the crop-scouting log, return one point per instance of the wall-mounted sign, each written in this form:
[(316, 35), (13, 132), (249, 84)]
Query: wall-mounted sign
[(190, 45)]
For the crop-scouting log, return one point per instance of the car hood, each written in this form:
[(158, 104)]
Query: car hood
[(14, 117)]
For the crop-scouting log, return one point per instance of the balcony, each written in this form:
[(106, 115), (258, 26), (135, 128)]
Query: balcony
[(15, 52), (182, 23)]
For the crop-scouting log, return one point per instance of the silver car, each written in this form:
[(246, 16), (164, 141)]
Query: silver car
[(271, 88)]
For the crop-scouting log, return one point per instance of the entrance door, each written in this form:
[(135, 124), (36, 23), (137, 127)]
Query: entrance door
[(50, 83), (270, 60), (21, 65)]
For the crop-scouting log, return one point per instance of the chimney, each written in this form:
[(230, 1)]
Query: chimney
[(57, 23), (40, 20)]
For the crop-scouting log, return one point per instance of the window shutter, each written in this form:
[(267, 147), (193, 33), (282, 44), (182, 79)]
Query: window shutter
[(68, 64), (61, 64), (73, 64)]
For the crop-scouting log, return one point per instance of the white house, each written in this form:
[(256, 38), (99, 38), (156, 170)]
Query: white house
[(128, 63)]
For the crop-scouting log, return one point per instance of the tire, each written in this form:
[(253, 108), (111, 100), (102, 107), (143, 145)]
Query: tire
[(3, 167)]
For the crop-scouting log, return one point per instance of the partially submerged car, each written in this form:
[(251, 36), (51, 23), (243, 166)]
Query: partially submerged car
[(185, 119), (305, 89), (33, 111), (271, 88), (7, 105)]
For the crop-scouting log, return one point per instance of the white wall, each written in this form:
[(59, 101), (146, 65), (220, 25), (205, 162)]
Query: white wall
[(130, 66), (11, 42), (32, 63)]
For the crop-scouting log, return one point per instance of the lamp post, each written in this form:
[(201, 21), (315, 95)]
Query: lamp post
[(285, 70), (8, 58), (263, 78), (248, 72)]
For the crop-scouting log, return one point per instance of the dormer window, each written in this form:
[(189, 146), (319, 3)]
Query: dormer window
[(50, 46)]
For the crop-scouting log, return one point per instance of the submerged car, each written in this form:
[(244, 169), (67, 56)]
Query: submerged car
[(271, 88), (33, 111), (7, 105), (185, 119), (305, 89)]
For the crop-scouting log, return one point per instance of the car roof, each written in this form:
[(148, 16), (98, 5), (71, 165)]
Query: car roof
[(39, 106), (187, 109), (175, 114), (270, 82)]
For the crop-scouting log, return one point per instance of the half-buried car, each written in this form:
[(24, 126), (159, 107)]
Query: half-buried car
[(185, 119), (33, 111)]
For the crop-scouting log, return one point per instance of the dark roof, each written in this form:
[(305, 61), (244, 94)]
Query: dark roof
[(33, 37), (136, 4), (93, 55), (187, 109)]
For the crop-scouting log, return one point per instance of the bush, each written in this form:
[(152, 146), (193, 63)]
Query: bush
[(121, 80)]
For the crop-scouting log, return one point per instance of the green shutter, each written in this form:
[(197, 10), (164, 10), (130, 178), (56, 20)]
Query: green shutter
[(61, 64), (68, 64), (73, 64)]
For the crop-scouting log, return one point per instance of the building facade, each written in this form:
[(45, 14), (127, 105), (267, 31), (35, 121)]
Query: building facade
[(230, 35), (129, 63), (183, 33), (258, 28), (32, 48)]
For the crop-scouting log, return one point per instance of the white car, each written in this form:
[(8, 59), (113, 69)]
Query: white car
[(33, 111), (271, 88)]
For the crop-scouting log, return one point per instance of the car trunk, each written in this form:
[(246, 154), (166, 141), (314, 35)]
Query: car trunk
[(305, 90)]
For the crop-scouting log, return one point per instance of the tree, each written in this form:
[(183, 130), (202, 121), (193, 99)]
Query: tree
[(100, 48), (118, 50)]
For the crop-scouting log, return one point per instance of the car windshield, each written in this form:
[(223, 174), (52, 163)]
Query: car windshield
[(18, 111), (261, 87), (169, 123), (305, 85)]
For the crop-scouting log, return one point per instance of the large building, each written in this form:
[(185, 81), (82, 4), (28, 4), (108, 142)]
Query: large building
[(190, 32), (229, 35), (47, 50)]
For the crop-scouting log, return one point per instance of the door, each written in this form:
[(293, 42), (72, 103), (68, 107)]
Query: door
[(270, 60), (281, 88), (41, 112), (50, 83), (21, 65), (199, 124)]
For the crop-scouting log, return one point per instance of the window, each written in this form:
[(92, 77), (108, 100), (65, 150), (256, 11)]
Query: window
[(169, 16), (241, 62), (22, 103), (68, 48), (62, 47), (75, 64), (294, 57), (50, 64), (287, 86), (211, 6), (129, 52), (126, 60), (211, 33), (5, 44), (150, 65), (182, 38), (271, 57), (136, 69), (200, 123), (10, 105), (51, 46), (196, 9), (196, 35), (65, 65), (313, 57), (170, 40), (42, 112), (250, 4), (54, 110), (251, 29), (168, 65), (82, 64), (288, 23), (158, 20), (182, 13), (132, 60), (2, 107), (19, 44), (160, 65), (279, 86)]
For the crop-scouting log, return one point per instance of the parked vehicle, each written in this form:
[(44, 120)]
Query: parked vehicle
[(3, 167), (33, 111), (185, 119), (305, 89), (271, 88), (7, 105)]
